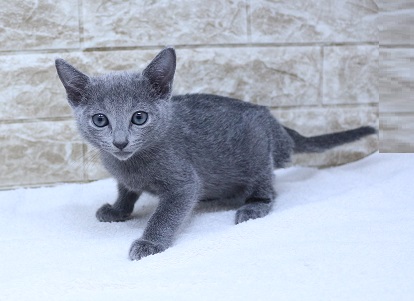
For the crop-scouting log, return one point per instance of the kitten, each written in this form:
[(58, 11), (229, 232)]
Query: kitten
[(182, 149)]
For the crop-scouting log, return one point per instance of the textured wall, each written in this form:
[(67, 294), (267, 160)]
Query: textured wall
[(313, 62), (396, 79)]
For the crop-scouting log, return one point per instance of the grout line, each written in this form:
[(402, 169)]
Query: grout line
[(80, 24), (248, 96), (384, 115), (322, 77), (37, 51), (249, 21), (35, 120), (45, 185), (185, 46), (396, 46), (229, 45)]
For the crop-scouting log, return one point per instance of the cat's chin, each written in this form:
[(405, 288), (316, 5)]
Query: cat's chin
[(122, 155)]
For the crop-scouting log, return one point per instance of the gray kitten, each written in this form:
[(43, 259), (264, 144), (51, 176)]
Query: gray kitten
[(183, 149)]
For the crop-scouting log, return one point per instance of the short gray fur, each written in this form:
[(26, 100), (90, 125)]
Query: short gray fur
[(191, 148)]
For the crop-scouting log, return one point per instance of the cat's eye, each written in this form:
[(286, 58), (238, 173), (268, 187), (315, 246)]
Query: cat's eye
[(139, 118), (100, 120)]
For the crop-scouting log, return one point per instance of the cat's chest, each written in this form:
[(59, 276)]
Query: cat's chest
[(131, 174), (136, 175)]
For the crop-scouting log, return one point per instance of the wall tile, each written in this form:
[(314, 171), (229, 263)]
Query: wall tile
[(350, 74), (269, 76), (40, 153), (396, 81), (30, 88), (221, 71), (317, 121), (285, 76), (396, 133), (395, 22), (101, 62), (387, 5), (304, 21), (396, 27), (138, 23), (41, 24)]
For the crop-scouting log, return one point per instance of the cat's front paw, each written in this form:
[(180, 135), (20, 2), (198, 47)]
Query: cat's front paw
[(143, 248), (252, 211), (107, 213)]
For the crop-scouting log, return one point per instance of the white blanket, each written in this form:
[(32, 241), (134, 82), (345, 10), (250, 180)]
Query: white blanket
[(343, 233)]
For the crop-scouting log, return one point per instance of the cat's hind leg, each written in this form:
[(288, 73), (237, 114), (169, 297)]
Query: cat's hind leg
[(121, 210), (258, 204)]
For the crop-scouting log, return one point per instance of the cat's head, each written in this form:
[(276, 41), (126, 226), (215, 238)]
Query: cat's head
[(121, 113)]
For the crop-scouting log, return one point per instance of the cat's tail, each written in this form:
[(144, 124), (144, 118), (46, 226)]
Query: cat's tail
[(317, 144)]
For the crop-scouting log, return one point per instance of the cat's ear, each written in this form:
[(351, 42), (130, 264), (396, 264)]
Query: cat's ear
[(73, 80), (160, 72)]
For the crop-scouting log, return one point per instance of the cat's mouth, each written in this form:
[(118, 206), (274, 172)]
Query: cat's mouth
[(122, 155)]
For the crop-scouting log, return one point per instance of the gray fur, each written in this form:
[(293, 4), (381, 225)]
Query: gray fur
[(192, 147)]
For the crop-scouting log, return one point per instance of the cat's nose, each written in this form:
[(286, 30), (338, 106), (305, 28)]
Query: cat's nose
[(120, 139), (120, 144)]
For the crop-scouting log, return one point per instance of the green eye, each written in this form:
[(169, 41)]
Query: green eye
[(139, 118), (100, 120)]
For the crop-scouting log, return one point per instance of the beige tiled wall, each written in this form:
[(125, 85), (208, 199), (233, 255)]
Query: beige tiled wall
[(396, 78), (314, 63)]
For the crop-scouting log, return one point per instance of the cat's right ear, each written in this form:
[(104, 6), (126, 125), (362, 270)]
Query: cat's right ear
[(73, 80)]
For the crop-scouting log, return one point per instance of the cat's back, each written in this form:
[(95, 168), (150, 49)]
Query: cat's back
[(213, 124), (208, 102), (208, 112), (222, 138)]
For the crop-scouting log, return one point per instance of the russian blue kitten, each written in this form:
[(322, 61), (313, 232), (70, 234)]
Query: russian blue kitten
[(183, 149)]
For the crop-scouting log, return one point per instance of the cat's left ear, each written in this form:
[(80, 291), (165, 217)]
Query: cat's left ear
[(73, 80), (160, 72)]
